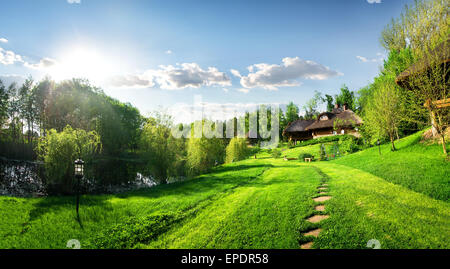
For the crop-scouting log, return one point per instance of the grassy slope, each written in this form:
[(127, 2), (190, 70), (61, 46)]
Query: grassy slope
[(415, 165), (259, 203)]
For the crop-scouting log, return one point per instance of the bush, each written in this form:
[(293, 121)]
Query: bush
[(322, 140), (291, 144), (276, 153), (348, 144), (323, 154), (302, 156), (58, 151), (236, 150)]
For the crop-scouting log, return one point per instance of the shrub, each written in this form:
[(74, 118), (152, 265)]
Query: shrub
[(291, 144), (323, 154), (236, 150), (302, 156), (276, 153), (348, 144)]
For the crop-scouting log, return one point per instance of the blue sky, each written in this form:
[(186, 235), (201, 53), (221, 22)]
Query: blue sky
[(157, 54)]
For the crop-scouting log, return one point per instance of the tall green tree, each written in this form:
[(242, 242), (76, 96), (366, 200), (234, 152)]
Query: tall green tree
[(292, 112)]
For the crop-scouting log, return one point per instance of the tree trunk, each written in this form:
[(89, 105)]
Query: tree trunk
[(392, 144), (444, 147)]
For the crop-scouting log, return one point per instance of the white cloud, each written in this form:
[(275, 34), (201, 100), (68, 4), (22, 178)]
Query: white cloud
[(180, 76), (134, 81), (169, 52), (272, 76), (43, 64), (244, 90), (374, 1), (11, 78), (74, 1), (380, 58), (3, 40), (8, 57)]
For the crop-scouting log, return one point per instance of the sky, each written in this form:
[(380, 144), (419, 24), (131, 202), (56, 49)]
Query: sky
[(173, 55)]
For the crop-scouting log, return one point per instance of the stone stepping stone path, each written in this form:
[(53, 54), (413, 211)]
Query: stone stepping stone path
[(314, 233), (323, 188), (306, 245), (317, 218), (319, 208), (322, 198)]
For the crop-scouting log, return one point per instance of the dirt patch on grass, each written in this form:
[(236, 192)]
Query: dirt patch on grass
[(322, 198), (320, 208), (317, 218), (306, 245), (314, 233)]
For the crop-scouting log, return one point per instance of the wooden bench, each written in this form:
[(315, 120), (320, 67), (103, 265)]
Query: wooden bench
[(308, 160)]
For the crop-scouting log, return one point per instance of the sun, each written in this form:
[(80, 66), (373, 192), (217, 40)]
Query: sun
[(82, 63)]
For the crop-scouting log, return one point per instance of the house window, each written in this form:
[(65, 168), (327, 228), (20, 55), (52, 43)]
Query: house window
[(334, 132), (324, 117)]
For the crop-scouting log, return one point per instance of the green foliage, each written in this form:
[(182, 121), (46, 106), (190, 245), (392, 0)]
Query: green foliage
[(203, 154), (236, 150), (320, 140), (312, 105), (162, 152), (276, 153), (348, 144), (302, 156), (133, 231), (346, 97), (322, 153), (290, 144), (292, 112), (59, 150)]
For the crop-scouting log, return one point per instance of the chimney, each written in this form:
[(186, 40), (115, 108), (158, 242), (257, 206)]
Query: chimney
[(345, 107), (336, 105)]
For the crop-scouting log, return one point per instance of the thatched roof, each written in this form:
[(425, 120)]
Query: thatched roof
[(298, 126), (442, 54), (345, 118)]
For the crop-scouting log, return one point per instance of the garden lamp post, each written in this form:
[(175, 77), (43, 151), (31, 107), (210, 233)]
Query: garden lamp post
[(79, 173), (378, 143)]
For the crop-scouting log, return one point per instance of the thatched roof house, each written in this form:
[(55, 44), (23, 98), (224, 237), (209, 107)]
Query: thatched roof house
[(339, 121)]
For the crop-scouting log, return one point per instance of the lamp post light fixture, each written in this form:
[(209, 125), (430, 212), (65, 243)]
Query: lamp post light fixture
[(79, 174)]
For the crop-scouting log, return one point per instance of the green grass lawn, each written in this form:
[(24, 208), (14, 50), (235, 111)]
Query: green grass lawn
[(400, 199)]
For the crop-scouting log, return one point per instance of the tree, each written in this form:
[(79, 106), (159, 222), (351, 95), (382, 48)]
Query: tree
[(59, 150), (203, 153), (236, 150), (422, 23), (312, 106), (429, 82), (346, 97), (384, 112), (329, 101), (159, 147), (3, 105), (292, 112)]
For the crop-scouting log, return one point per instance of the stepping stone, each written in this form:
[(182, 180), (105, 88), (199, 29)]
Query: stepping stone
[(320, 208), (324, 184), (322, 188), (307, 245), (317, 218), (314, 233), (322, 198)]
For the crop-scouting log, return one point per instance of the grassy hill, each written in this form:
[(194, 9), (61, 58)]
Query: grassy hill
[(400, 199)]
